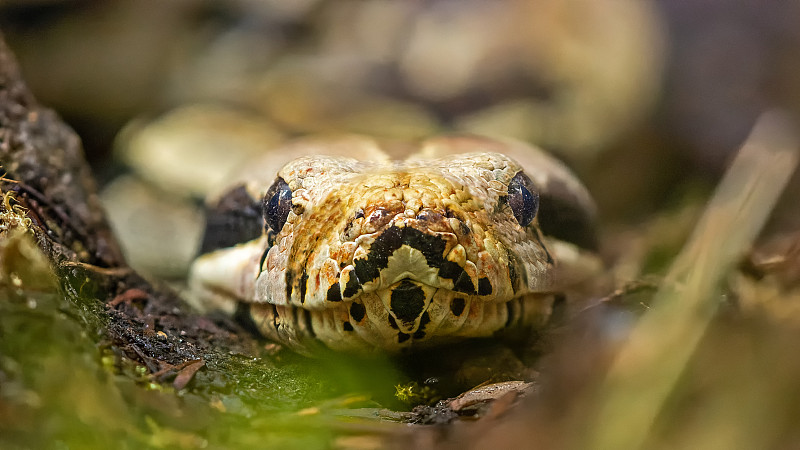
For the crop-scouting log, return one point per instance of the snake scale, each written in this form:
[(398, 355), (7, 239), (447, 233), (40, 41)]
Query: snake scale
[(356, 245)]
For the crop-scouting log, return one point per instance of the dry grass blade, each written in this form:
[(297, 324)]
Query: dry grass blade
[(650, 364)]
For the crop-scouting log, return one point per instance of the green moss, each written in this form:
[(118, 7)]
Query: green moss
[(412, 393), (58, 388)]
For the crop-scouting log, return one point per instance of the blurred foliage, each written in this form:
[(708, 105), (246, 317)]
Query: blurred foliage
[(58, 388)]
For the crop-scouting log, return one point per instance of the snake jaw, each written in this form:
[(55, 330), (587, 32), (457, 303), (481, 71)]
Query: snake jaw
[(415, 255)]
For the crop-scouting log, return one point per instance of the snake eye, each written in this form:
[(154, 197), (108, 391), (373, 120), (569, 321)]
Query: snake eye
[(277, 204), (523, 198)]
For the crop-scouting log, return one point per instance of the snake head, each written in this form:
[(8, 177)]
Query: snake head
[(390, 254)]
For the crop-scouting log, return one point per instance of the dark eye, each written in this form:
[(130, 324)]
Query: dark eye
[(523, 198), (277, 204)]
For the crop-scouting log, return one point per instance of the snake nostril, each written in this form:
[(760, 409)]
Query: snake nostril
[(427, 215), (378, 217)]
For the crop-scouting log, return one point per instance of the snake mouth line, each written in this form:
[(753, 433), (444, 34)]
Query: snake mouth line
[(366, 325)]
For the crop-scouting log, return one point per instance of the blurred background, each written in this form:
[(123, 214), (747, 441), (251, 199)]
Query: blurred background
[(639, 96), (647, 100), (636, 94)]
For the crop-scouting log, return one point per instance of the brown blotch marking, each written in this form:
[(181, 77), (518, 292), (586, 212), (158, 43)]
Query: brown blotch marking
[(457, 306), (334, 293), (309, 324), (275, 317), (464, 284), (484, 286), (352, 286), (423, 321), (407, 301), (303, 286), (289, 283), (347, 326), (513, 275), (358, 312)]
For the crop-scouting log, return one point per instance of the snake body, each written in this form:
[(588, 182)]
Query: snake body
[(360, 250)]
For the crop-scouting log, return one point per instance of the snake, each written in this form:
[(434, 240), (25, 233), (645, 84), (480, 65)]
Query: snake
[(360, 245)]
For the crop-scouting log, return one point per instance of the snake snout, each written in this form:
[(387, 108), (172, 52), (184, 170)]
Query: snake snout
[(410, 251)]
